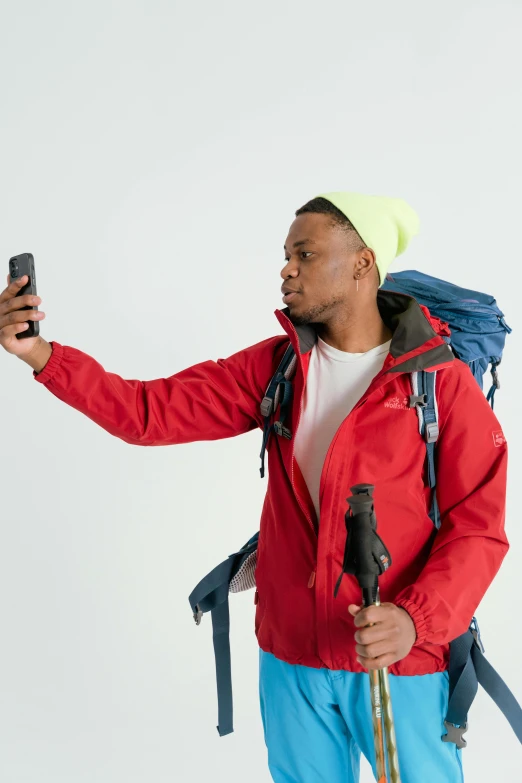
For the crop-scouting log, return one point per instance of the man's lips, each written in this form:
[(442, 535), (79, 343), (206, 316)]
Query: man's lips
[(288, 294)]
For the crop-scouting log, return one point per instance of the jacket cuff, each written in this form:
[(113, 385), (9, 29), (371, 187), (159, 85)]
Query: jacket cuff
[(419, 620), (52, 366)]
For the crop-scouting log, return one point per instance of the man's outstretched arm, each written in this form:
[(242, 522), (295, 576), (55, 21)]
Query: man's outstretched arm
[(208, 401)]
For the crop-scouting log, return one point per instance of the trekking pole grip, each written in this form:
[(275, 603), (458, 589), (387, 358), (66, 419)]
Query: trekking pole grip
[(365, 555)]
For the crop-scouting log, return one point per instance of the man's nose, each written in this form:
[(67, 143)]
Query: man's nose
[(289, 270)]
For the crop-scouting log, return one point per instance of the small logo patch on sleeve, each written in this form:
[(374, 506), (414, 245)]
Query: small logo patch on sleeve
[(498, 438)]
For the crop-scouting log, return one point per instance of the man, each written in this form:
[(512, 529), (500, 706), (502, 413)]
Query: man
[(350, 423)]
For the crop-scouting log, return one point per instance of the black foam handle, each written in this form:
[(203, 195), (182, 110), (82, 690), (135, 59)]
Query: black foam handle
[(365, 555)]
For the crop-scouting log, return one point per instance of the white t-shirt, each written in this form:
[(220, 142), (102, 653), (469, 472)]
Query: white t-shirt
[(336, 382)]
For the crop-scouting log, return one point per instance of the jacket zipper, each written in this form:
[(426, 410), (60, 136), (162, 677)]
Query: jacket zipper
[(305, 512), (303, 509)]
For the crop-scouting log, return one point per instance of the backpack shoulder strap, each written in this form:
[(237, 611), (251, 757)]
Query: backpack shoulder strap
[(211, 595), (279, 392), (467, 670), (424, 398)]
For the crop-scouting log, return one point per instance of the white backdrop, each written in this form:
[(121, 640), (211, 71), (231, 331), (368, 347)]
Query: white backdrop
[(152, 157)]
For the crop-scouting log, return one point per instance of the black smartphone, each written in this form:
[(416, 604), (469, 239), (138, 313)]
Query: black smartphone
[(20, 265)]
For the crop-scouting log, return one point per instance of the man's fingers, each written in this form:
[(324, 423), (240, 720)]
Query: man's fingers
[(13, 288), (18, 302), (378, 663), (376, 633), (19, 316), (376, 649), (369, 615), (10, 331), (375, 614)]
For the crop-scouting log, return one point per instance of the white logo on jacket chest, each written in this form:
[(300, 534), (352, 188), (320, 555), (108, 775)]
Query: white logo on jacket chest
[(398, 403)]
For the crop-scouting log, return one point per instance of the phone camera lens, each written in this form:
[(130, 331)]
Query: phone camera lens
[(14, 269)]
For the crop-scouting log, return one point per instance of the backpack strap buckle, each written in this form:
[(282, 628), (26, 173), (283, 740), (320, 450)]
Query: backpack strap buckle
[(432, 432), (418, 399), (266, 406), (280, 429), (455, 734), (475, 631)]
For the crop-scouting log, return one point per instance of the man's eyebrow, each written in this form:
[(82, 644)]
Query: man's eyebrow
[(302, 242)]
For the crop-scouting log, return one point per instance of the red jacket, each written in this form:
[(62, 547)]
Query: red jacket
[(438, 577)]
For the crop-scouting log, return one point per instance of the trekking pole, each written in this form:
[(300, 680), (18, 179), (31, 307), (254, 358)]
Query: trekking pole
[(366, 557)]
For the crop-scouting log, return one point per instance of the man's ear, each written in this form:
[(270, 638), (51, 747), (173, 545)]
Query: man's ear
[(366, 264)]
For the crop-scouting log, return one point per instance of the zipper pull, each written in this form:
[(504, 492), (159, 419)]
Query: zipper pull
[(311, 581), (256, 598)]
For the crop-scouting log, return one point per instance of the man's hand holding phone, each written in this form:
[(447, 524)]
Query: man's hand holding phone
[(14, 320)]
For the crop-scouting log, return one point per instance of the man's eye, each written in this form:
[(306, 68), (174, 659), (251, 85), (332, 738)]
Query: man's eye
[(303, 253)]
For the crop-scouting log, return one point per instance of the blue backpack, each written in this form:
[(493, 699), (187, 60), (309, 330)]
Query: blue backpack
[(478, 328), (478, 333)]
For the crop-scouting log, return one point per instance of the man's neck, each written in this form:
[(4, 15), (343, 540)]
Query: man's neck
[(357, 333)]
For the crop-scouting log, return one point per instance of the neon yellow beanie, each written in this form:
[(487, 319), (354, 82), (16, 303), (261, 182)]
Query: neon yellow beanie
[(386, 225)]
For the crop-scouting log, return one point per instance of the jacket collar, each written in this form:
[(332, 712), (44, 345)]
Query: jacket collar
[(415, 344)]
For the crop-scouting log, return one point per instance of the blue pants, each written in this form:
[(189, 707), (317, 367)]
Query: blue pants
[(318, 721)]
